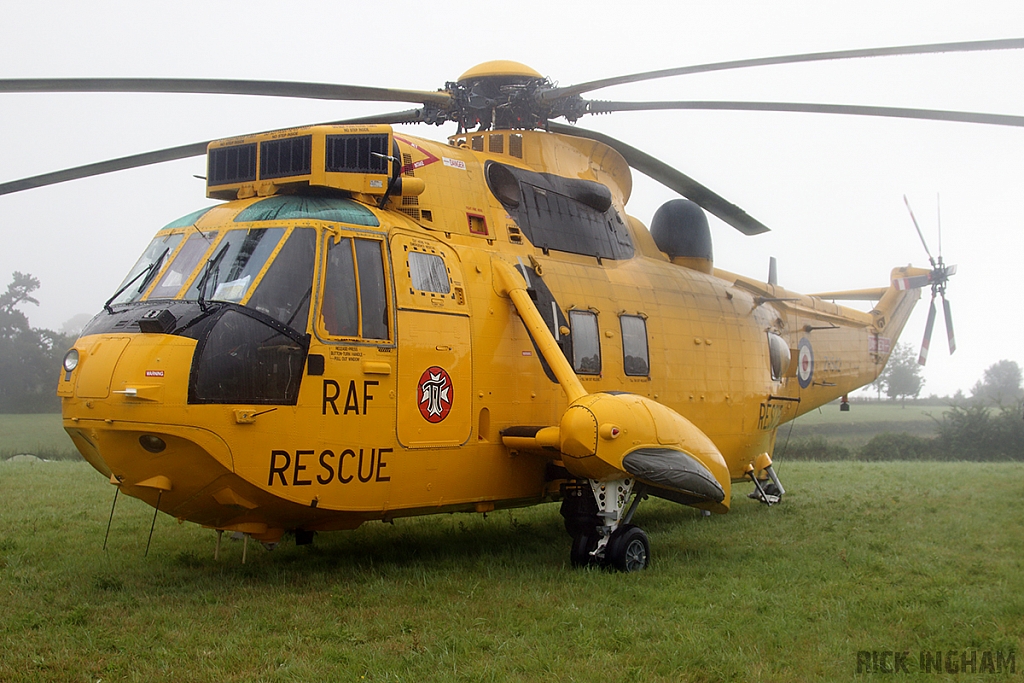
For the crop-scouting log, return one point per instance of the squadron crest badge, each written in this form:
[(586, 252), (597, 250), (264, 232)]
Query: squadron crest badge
[(434, 394)]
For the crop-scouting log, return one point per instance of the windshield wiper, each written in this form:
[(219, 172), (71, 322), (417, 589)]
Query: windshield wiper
[(212, 265), (153, 270), (149, 271)]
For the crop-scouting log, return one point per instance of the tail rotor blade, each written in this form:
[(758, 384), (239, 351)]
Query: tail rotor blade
[(949, 324), (915, 282), (919, 233), (923, 358)]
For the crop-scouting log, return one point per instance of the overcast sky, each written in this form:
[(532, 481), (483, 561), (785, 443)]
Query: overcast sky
[(830, 187)]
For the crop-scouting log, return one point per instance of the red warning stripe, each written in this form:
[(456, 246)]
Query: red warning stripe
[(430, 158)]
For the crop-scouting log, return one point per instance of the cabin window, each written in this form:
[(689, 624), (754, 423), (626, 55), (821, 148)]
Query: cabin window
[(355, 296), (586, 343), (428, 273), (634, 346)]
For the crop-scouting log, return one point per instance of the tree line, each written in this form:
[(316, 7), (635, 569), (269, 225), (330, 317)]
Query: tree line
[(30, 357)]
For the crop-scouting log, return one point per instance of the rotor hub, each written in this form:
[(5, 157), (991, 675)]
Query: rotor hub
[(503, 94)]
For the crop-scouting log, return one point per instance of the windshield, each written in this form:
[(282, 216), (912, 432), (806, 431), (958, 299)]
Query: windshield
[(237, 260), (267, 269), (182, 266), (156, 254)]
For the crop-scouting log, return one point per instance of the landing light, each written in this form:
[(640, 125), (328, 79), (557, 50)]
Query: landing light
[(71, 360), (153, 444)]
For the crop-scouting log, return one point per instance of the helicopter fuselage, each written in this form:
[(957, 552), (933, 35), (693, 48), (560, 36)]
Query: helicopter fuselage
[(299, 358)]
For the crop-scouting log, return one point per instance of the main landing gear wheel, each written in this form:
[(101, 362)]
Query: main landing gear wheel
[(629, 549)]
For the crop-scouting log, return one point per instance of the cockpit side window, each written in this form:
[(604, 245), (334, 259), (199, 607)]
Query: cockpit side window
[(340, 310), (283, 292), (372, 292), (354, 292)]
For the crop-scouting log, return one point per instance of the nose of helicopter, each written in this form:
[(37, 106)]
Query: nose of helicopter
[(124, 405), (175, 462)]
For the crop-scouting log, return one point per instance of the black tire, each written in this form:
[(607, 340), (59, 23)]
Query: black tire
[(629, 549), (575, 526), (579, 553)]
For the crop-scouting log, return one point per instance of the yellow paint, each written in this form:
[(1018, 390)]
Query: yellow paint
[(372, 451), (499, 67)]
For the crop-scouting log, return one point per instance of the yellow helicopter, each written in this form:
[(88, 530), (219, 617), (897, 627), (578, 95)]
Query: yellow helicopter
[(374, 325)]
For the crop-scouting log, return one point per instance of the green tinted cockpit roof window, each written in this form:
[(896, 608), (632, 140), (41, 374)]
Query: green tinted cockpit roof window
[(188, 220), (333, 209)]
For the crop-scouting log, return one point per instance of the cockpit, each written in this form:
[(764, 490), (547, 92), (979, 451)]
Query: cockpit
[(243, 288)]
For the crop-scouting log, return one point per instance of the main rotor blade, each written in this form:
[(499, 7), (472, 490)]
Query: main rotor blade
[(672, 179), (923, 358), (404, 116), (970, 46), (171, 154), (602, 107), (101, 167), (315, 91), (948, 314)]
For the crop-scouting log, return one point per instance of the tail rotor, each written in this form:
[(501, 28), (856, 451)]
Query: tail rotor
[(937, 279)]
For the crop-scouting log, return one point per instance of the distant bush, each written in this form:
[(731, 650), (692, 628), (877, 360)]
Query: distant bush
[(814, 448), (979, 432), (893, 446), (971, 432)]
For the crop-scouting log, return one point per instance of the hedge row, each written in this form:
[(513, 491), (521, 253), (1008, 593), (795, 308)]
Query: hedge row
[(973, 432)]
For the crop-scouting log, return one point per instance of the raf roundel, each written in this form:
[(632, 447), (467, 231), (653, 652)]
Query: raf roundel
[(805, 364), (434, 394)]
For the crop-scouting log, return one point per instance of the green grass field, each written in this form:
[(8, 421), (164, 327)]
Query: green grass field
[(872, 413), (855, 428), (859, 557), (41, 435)]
